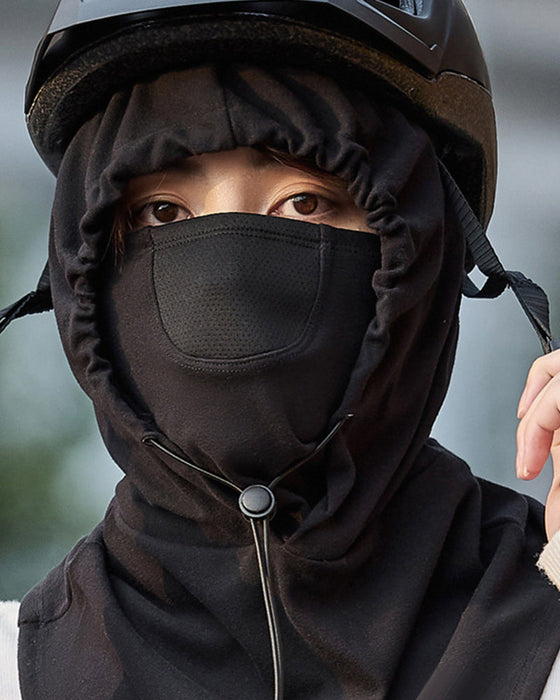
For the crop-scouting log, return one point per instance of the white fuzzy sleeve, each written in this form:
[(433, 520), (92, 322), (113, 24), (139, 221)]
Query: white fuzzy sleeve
[(549, 561), (9, 682)]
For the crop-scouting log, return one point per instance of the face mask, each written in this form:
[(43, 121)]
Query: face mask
[(238, 333)]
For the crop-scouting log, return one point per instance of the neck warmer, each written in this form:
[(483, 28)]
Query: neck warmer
[(396, 573)]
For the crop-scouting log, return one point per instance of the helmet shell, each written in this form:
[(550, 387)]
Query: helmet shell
[(423, 55)]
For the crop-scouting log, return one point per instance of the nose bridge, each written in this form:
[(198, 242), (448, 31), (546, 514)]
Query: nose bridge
[(235, 192)]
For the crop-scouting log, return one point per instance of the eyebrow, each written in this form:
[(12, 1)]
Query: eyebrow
[(262, 157), (304, 164), (259, 158)]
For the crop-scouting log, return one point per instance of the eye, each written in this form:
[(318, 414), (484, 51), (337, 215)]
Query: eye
[(157, 213), (164, 212), (305, 203)]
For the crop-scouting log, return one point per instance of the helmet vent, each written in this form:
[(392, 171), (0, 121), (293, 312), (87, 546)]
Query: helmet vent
[(413, 7)]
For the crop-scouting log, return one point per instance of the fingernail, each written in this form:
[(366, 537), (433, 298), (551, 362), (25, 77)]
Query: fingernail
[(523, 471)]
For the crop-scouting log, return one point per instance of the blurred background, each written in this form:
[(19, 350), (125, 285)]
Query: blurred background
[(55, 476)]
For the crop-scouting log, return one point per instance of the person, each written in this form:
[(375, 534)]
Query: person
[(262, 220)]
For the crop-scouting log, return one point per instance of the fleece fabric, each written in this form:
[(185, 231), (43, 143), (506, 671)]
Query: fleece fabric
[(397, 573)]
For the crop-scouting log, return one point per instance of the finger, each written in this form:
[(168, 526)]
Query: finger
[(552, 511), (541, 372), (532, 452), (536, 434)]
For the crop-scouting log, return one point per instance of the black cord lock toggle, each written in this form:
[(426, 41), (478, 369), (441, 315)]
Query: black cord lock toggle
[(257, 502)]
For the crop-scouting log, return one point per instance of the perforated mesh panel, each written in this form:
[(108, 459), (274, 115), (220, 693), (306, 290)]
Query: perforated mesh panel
[(257, 293)]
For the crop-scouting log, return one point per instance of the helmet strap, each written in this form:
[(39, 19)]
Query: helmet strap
[(532, 298), (32, 303)]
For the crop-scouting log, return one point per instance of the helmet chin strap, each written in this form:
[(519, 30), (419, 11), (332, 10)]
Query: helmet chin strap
[(532, 298), (32, 303)]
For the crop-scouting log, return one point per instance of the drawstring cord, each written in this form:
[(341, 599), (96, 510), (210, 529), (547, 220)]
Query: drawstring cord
[(258, 504), (260, 532), (225, 482)]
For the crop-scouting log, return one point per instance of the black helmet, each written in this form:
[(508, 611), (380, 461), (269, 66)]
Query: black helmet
[(423, 53)]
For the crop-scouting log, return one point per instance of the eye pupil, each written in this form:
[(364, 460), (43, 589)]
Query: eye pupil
[(305, 204), (165, 212)]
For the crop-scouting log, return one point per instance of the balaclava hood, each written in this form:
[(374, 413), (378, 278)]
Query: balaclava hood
[(397, 573)]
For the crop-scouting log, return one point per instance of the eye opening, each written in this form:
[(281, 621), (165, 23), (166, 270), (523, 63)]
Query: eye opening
[(307, 202)]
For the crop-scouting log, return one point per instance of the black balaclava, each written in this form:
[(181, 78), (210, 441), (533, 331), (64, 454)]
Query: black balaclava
[(397, 573)]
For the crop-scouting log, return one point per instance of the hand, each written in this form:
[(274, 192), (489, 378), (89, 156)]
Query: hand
[(538, 434)]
